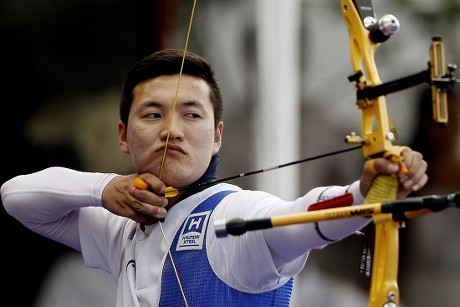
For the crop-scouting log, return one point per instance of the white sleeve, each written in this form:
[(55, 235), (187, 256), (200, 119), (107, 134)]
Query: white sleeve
[(263, 259), (309, 236), (46, 202)]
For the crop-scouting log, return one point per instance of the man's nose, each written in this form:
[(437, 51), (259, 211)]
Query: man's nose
[(172, 127)]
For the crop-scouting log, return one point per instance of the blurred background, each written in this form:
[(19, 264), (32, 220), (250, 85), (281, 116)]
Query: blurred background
[(283, 68)]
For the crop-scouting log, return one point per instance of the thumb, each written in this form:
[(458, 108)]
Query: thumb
[(381, 166), (374, 167)]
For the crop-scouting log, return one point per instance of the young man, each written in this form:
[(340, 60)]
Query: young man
[(164, 251)]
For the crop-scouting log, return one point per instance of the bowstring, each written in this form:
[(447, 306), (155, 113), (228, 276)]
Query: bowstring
[(167, 141)]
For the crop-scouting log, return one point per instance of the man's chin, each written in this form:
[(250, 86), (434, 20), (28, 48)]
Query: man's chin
[(177, 182)]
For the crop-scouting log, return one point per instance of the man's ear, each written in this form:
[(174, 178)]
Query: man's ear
[(122, 142), (218, 137)]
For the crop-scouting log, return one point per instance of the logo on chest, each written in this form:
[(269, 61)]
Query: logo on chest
[(193, 232)]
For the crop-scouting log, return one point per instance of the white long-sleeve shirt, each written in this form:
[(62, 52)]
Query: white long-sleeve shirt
[(66, 206)]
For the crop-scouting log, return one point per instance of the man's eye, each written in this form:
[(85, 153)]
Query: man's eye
[(192, 115), (153, 115)]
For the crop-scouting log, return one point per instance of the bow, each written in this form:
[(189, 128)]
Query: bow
[(378, 134)]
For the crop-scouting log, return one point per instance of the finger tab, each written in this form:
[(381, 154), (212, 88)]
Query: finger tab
[(140, 184)]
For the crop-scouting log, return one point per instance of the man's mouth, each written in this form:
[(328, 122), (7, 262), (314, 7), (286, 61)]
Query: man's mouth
[(173, 147)]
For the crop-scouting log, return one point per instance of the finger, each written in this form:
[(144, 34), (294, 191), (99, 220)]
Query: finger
[(372, 167), (412, 186), (147, 181), (382, 166), (149, 203), (131, 213), (412, 158), (408, 158), (147, 209), (133, 191), (416, 178), (415, 164), (149, 198)]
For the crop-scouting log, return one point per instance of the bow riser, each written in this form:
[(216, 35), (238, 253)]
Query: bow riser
[(377, 134)]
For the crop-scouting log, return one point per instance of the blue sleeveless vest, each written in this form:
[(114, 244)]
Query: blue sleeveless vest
[(201, 286)]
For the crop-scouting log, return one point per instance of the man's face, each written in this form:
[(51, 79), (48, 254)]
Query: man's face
[(192, 140)]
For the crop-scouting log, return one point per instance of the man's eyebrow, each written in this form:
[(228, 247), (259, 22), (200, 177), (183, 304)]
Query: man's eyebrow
[(188, 103), (192, 103), (150, 103)]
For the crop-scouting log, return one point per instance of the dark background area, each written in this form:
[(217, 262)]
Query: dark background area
[(51, 49)]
